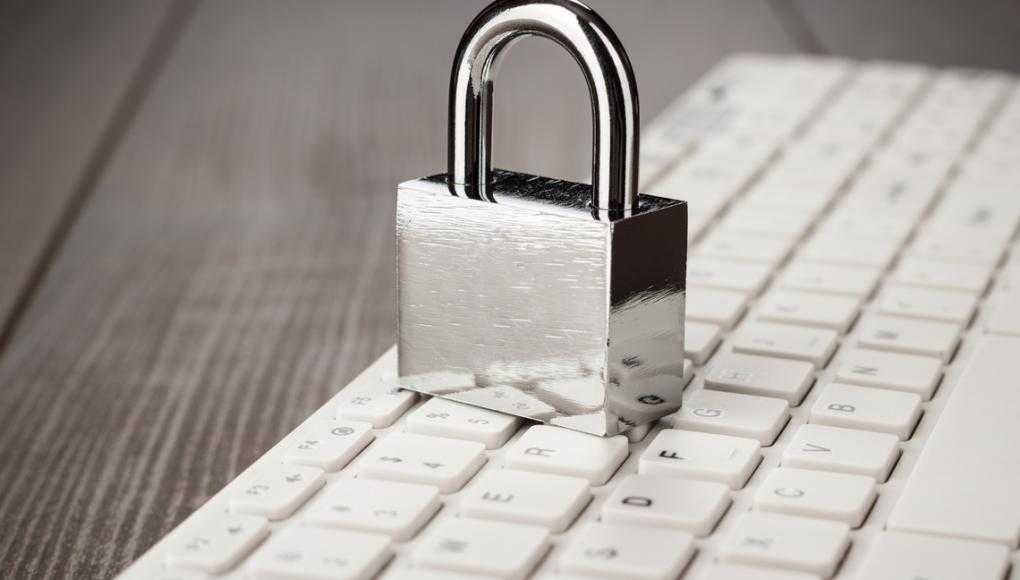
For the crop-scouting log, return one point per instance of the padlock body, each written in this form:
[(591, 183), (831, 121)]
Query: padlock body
[(534, 307)]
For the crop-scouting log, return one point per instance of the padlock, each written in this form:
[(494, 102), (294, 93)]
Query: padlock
[(556, 301)]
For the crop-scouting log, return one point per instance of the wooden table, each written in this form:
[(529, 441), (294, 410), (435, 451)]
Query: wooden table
[(196, 243)]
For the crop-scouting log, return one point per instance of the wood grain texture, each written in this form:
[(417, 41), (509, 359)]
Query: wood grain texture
[(66, 69), (234, 265)]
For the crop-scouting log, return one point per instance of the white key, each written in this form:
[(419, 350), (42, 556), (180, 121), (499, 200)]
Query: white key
[(727, 275), (927, 303), (842, 450), (312, 553), (627, 552), (760, 418), (789, 225), (780, 541), (811, 345), (506, 396), (706, 456), (700, 341), (903, 372), (923, 337), (559, 451), (722, 307), (738, 572), (525, 497), (413, 573), (741, 247), (215, 543), (758, 375), (817, 494), (1004, 318), (957, 245), (833, 249), (857, 281), (895, 556), (445, 463), (275, 491), (685, 504), (329, 444), (379, 404), (965, 480), (396, 509), (445, 418), (932, 274), (808, 309), (480, 547), (867, 408)]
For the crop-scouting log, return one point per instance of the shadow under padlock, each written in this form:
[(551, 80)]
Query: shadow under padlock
[(551, 300)]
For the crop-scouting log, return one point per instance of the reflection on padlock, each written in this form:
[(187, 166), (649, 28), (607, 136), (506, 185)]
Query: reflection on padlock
[(551, 300)]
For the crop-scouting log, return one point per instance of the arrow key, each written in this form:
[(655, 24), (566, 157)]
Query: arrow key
[(275, 492)]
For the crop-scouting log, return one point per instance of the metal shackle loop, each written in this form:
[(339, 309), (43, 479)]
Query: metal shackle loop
[(611, 85)]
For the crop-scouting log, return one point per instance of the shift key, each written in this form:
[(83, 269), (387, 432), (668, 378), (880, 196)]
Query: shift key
[(965, 482)]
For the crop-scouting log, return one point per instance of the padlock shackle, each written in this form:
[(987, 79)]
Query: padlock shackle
[(607, 71)]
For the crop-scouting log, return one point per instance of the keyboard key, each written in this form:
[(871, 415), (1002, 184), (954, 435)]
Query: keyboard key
[(958, 245), (705, 456), (808, 309), (319, 553), (741, 247), (726, 275), (786, 341), (965, 480), (329, 444), (737, 572), (700, 341), (780, 541), (721, 307), (903, 335), (894, 556), (444, 418), (647, 500), (627, 552), (413, 573), (445, 463), (561, 452), (506, 397), (903, 372), (857, 281), (379, 404), (215, 543), (931, 274), (842, 450), (817, 494), (1004, 318), (480, 547), (758, 375), (835, 249), (276, 491), (760, 418), (868, 409), (392, 508), (927, 303), (524, 497)]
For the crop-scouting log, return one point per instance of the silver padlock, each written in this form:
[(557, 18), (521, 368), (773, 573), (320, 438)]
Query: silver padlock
[(556, 301)]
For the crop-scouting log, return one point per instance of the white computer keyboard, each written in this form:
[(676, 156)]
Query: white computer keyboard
[(849, 306)]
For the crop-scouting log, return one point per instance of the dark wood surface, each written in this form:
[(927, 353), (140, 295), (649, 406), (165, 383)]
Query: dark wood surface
[(229, 264)]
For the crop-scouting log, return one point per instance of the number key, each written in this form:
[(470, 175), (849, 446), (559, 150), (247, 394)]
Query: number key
[(445, 418)]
